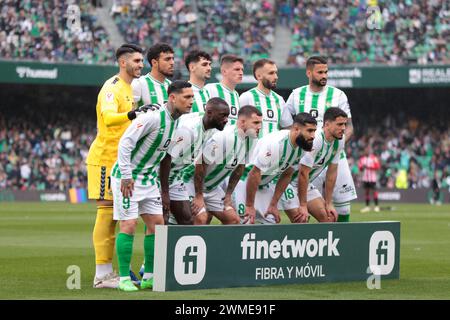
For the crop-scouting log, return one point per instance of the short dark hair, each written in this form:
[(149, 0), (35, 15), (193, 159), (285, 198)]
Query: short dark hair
[(303, 118), (261, 63), (178, 86), (230, 58), (155, 50), (195, 56), (127, 48), (312, 61), (216, 101), (247, 111), (333, 113)]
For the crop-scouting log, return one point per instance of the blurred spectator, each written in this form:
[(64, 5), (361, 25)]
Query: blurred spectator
[(45, 31), (42, 152), (244, 28), (409, 152), (391, 32)]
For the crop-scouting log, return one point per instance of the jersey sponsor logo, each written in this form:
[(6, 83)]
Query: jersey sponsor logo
[(179, 139), (139, 125), (270, 113), (110, 97), (314, 113), (233, 110)]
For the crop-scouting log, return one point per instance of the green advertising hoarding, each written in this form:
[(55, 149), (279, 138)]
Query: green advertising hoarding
[(289, 78), (200, 257)]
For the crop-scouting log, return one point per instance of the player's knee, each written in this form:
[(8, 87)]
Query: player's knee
[(128, 226), (201, 219), (232, 219)]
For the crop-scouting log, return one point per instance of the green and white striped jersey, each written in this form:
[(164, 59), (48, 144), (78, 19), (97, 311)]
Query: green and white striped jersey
[(231, 97), (274, 154), (148, 90), (316, 103), (186, 146), (201, 97), (322, 154), (270, 106), (143, 145), (223, 152)]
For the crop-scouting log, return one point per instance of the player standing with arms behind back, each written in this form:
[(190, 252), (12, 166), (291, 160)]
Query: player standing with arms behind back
[(152, 88), (114, 115), (316, 98), (232, 70), (198, 64)]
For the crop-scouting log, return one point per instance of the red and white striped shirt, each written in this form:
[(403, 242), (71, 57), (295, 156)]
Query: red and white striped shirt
[(369, 165)]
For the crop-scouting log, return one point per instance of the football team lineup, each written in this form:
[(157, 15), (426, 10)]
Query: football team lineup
[(252, 152)]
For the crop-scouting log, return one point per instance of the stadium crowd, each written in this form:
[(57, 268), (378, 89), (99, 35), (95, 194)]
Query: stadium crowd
[(240, 27), (398, 32), (409, 155), (38, 153), (42, 152), (43, 31)]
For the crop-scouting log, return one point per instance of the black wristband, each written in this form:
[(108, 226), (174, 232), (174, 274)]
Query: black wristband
[(131, 115)]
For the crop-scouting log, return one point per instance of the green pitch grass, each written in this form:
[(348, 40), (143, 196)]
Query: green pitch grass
[(39, 241)]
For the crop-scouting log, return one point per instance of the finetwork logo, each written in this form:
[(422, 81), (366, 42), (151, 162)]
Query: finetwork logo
[(382, 252), (190, 260)]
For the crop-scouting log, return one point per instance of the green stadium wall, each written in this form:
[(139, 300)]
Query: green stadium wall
[(14, 72)]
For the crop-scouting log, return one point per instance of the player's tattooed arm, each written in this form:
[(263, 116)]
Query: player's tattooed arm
[(164, 171), (281, 186), (198, 202), (253, 181), (348, 130), (233, 181), (330, 182), (303, 182)]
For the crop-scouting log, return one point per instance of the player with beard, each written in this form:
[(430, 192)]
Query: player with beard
[(324, 157), (223, 158), (198, 64), (316, 98), (152, 88), (270, 104), (275, 155), (263, 97), (177, 168)]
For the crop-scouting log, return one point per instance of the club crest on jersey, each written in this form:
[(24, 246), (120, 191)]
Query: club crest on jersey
[(110, 97), (314, 113)]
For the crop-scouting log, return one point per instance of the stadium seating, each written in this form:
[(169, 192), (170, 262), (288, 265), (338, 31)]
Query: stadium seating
[(37, 153), (39, 30), (417, 151), (403, 32), (245, 28), (43, 152)]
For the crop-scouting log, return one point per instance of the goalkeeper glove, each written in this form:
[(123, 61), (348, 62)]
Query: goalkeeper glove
[(142, 109)]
